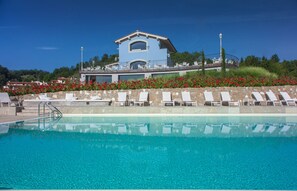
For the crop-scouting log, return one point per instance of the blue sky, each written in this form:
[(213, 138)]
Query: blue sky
[(47, 34)]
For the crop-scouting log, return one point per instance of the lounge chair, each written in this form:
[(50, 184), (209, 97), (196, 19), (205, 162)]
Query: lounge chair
[(166, 98), (286, 99), (258, 98), (272, 99), (96, 97), (186, 97), (70, 97), (43, 97), (4, 99), (122, 98), (143, 98), (210, 100), (226, 98)]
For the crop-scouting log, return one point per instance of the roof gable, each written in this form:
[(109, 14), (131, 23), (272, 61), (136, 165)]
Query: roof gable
[(165, 40)]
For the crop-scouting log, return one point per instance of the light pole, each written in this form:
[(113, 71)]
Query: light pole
[(221, 47), (81, 58)]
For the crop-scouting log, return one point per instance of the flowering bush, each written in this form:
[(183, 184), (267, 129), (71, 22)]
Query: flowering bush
[(156, 83)]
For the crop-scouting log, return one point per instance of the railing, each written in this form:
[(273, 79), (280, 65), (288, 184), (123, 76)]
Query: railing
[(156, 65), (54, 111), (198, 66), (126, 65)]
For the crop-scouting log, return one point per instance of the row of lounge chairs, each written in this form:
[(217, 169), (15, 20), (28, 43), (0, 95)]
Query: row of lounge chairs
[(272, 99), (167, 100)]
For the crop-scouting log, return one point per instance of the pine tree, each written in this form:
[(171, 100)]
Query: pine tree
[(223, 62), (203, 60)]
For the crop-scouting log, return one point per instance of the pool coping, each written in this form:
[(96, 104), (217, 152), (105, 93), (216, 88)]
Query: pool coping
[(180, 114), (161, 115)]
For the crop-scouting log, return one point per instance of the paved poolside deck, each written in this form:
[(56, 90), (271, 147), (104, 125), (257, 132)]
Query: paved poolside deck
[(179, 110), (159, 111), (13, 118)]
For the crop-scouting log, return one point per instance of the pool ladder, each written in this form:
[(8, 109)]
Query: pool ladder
[(54, 113)]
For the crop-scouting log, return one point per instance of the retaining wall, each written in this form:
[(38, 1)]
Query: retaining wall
[(155, 95)]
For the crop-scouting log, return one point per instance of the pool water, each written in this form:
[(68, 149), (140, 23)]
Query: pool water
[(150, 153)]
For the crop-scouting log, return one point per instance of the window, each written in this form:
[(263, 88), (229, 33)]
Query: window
[(137, 64), (98, 79), (131, 77), (138, 45), (102, 79), (165, 74)]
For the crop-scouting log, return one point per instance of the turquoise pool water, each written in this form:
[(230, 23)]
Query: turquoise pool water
[(150, 153)]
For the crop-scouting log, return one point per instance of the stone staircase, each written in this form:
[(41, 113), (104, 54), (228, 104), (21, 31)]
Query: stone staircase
[(32, 111)]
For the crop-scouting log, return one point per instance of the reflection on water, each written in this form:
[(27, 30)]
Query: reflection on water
[(161, 126), (4, 128), (150, 153)]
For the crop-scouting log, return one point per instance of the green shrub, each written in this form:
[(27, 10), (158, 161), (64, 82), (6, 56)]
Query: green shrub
[(257, 72)]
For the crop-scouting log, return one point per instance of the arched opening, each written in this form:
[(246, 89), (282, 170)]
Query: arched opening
[(138, 45), (137, 64)]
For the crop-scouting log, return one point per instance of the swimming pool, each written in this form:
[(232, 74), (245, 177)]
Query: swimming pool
[(150, 153)]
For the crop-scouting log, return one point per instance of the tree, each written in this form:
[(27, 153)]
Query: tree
[(251, 61), (274, 58), (223, 62), (4, 75), (265, 63), (203, 60), (104, 58), (187, 57)]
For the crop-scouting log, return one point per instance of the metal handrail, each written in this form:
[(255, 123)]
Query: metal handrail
[(55, 112)]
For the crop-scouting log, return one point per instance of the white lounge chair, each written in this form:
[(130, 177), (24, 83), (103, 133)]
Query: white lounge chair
[(287, 99), (166, 98), (258, 98), (4, 99), (143, 98), (210, 100), (43, 97), (186, 97), (272, 99), (70, 97), (96, 97), (122, 99), (226, 98)]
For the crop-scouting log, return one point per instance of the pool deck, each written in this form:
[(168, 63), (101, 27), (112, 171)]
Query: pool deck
[(112, 111), (14, 118)]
